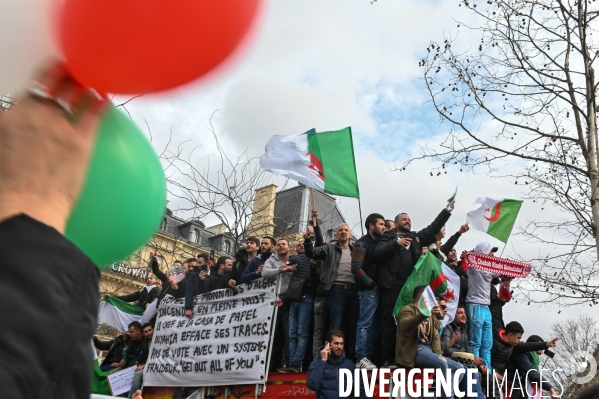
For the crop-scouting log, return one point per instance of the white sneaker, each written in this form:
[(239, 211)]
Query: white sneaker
[(365, 363)]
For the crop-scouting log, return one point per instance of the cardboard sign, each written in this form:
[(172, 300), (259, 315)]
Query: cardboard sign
[(121, 381)]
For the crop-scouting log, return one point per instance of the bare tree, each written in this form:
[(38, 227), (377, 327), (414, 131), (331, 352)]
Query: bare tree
[(577, 337), (224, 189), (521, 106)]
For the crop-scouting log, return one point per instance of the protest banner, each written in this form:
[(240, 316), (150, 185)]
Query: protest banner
[(121, 381), (225, 343)]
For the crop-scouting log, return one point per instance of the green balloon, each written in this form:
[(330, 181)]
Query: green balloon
[(123, 198)]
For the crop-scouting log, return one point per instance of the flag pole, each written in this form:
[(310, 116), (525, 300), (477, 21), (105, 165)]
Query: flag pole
[(314, 221), (508, 238), (361, 222)]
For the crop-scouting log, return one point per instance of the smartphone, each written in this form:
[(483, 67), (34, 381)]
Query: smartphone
[(212, 252)]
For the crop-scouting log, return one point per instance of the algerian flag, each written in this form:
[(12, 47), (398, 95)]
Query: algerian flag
[(442, 281), (324, 161), (118, 314), (426, 302), (496, 217)]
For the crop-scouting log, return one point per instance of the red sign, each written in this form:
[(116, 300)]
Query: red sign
[(500, 266)]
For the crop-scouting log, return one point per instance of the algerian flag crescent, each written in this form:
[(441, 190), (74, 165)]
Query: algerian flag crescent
[(496, 217)]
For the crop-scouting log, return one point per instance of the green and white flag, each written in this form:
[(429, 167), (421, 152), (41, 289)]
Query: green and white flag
[(496, 217), (427, 302), (441, 280), (118, 314), (324, 161)]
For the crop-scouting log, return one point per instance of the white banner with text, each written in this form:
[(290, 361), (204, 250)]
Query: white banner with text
[(225, 343)]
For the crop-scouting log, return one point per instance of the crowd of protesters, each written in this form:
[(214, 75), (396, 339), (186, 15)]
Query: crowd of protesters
[(339, 308)]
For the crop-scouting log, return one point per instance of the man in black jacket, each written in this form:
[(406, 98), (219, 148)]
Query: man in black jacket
[(337, 281), (496, 307), (396, 253), (521, 372), (143, 297), (138, 377), (172, 285), (508, 342), (244, 256), (195, 284), (363, 269), (115, 348)]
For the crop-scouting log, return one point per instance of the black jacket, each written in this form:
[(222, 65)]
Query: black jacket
[(143, 297), (521, 362), (455, 339), (501, 351), (304, 271), (362, 263), (193, 286), (241, 262), (166, 285), (496, 308), (217, 282), (115, 348), (49, 315), (393, 261), (137, 352), (330, 255), (443, 252)]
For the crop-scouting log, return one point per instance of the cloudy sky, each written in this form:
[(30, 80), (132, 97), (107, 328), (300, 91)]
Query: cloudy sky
[(337, 63)]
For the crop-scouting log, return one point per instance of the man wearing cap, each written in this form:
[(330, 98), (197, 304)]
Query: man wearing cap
[(478, 300)]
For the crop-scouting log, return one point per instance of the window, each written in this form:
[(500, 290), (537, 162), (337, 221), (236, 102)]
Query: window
[(195, 236), (163, 225), (227, 247)]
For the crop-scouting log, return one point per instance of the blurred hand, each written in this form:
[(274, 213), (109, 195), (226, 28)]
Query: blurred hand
[(315, 214), (278, 303), (189, 314), (478, 361), (553, 394), (464, 228), (463, 254), (451, 206), (44, 155), (404, 242), (288, 268), (115, 365), (137, 394), (552, 343), (309, 231), (483, 369), (324, 354), (259, 271), (203, 274), (232, 283)]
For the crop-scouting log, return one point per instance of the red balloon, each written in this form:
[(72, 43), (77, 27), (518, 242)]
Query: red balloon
[(142, 46)]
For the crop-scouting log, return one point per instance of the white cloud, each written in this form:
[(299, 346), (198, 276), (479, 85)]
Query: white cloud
[(327, 65)]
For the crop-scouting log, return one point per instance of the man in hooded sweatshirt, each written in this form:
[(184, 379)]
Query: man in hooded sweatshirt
[(478, 300)]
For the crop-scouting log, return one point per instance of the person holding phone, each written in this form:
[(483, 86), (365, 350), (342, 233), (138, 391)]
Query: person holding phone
[(323, 374), (395, 256)]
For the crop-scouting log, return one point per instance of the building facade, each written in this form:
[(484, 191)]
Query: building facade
[(176, 239), (287, 213)]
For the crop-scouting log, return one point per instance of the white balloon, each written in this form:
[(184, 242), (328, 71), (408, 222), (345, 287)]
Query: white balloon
[(27, 39)]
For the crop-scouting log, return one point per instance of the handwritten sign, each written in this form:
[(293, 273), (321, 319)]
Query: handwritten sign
[(225, 343), (121, 381)]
